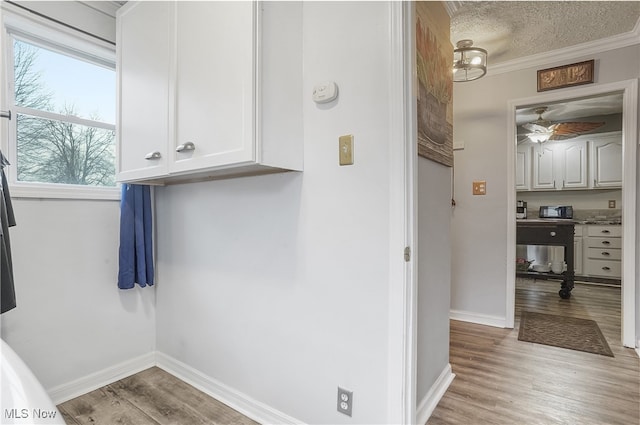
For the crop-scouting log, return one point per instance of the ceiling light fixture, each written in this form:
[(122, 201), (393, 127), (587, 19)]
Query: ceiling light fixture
[(469, 63)]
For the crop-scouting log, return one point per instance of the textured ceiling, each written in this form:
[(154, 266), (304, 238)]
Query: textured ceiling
[(514, 29)]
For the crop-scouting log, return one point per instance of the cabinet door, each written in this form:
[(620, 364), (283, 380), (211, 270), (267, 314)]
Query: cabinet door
[(215, 84), (543, 167), (523, 167), (577, 255), (574, 165), (607, 162), (143, 64)]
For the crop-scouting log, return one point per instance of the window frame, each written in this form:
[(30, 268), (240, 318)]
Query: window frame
[(23, 26)]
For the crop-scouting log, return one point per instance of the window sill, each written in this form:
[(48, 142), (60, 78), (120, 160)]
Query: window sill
[(58, 191)]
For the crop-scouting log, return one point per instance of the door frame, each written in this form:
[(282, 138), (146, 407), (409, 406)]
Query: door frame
[(629, 88), (402, 368)]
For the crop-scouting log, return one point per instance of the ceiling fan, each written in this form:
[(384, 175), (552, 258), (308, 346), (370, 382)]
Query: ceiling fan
[(542, 130)]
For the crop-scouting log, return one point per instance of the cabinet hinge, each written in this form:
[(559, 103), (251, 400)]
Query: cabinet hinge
[(407, 254)]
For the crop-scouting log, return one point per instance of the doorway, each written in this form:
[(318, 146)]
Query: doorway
[(629, 172)]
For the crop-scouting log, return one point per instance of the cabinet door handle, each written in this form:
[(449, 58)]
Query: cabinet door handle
[(605, 253), (189, 146), (605, 231), (605, 268), (153, 155), (606, 243)]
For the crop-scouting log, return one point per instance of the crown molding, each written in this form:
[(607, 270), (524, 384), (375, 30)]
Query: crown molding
[(568, 53)]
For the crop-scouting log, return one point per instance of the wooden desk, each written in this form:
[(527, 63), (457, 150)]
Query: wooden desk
[(554, 233)]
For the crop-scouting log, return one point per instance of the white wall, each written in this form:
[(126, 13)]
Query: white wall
[(434, 272), (277, 286), (71, 320), (479, 222)]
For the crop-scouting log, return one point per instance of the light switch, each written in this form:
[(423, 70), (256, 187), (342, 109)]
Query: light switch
[(480, 187), (345, 145), (612, 203)]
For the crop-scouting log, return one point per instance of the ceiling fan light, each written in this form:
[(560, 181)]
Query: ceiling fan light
[(469, 63), (540, 137)]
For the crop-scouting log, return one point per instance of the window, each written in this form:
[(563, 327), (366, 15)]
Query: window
[(62, 133)]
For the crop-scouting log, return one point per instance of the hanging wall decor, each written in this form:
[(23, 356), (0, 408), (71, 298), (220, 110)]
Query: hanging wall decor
[(434, 56), (563, 76)]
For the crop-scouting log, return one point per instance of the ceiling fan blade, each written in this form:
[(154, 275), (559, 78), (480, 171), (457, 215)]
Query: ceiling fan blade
[(574, 128)]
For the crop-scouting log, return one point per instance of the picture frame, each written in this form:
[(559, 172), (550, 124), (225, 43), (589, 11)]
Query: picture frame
[(559, 77)]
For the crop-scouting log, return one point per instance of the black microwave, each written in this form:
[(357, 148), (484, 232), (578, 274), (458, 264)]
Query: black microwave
[(564, 211)]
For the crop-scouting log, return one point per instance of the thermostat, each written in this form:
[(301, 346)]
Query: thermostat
[(325, 92)]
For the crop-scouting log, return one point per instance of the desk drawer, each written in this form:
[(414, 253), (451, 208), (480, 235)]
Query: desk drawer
[(604, 253)]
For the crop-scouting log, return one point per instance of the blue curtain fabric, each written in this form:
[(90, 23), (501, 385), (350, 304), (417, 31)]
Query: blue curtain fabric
[(136, 241)]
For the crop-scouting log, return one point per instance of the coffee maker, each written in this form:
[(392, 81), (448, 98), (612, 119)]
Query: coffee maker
[(521, 210)]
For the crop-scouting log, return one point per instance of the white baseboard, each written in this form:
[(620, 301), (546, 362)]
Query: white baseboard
[(244, 404), (91, 382), (430, 401), (480, 319)]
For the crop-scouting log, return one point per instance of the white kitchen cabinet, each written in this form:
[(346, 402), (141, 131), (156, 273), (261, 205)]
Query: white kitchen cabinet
[(573, 165), (560, 165), (606, 163), (143, 66), (523, 167), (234, 90), (544, 167), (603, 254), (578, 247)]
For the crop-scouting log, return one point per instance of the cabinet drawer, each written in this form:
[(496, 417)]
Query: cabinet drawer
[(609, 231), (604, 243), (604, 253), (604, 268)]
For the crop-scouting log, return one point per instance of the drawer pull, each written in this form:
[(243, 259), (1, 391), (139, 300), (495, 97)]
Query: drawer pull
[(153, 155), (605, 231), (189, 146), (606, 243), (605, 268), (605, 253), (552, 233)]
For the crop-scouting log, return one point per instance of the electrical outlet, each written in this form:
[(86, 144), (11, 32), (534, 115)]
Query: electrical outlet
[(345, 144), (612, 203), (345, 401), (480, 187)]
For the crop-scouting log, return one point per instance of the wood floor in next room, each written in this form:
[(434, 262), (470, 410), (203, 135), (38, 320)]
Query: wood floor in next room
[(151, 397), (500, 380)]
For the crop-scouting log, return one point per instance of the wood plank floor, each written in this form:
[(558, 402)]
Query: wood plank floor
[(151, 397), (500, 380)]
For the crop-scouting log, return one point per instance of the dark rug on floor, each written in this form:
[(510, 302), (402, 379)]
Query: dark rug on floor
[(565, 332)]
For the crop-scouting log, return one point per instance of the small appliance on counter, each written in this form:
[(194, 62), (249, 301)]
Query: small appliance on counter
[(557, 212), (521, 210)]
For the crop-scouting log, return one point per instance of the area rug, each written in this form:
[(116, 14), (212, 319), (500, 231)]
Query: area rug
[(564, 332)]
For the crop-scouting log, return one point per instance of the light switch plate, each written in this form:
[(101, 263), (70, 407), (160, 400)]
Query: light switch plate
[(345, 145), (480, 187), (612, 203)]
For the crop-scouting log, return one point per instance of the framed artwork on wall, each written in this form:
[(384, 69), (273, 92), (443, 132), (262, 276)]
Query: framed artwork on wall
[(434, 59)]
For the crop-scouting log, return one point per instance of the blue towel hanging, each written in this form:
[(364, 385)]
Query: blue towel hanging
[(136, 242)]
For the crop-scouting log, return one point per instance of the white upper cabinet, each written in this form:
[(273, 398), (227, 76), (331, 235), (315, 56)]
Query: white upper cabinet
[(606, 166), (523, 167), (227, 68), (143, 66), (544, 167), (215, 87), (586, 162), (573, 157)]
